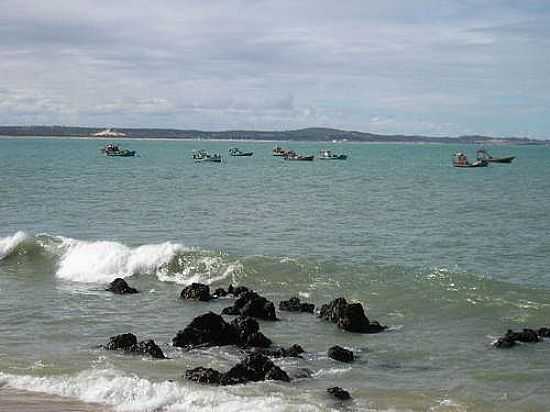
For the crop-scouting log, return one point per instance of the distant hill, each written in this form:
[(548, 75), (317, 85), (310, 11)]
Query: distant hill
[(313, 134)]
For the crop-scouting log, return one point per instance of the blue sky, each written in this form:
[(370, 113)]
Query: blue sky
[(433, 67)]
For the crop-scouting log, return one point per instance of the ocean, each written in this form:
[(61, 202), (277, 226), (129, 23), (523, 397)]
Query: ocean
[(449, 259)]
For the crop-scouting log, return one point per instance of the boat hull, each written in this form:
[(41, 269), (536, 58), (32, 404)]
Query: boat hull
[(501, 159), (242, 154), (130, 153)]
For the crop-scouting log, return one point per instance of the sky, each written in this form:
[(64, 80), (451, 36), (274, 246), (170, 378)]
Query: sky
[(431, 67)]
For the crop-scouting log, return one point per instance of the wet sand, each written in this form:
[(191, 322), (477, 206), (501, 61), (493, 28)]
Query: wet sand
[(15, 400)]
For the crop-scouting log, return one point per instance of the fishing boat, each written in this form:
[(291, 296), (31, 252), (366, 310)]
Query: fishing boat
[(279, 151), (291, 155), (482, 154), (115, 150), (235, 151), (200, 156), (460, 160), (328, 155)]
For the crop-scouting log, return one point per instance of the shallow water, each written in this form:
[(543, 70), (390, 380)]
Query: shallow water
[(448, 258)]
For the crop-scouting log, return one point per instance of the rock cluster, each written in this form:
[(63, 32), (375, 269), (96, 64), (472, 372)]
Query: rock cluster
[(196, 291), (211, 329), (294, 305), (349, 316), (526, 336), (339, 393), (128, 343), (249, 303), (120, 287), (254, 368), (293, 351)]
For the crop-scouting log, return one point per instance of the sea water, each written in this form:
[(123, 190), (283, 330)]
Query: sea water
[(448, 258)]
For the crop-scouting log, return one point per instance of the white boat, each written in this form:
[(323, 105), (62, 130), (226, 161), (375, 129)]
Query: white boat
[(328, 155), (204, 156)]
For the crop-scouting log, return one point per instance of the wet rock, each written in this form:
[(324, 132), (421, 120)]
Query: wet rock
[(237, 291), (196, 291), (339, 393), (128, 343), (209, 329), (120, 287), (544, 332), (340, 354), (204, 375), (505, 342), (511, 338), (220, 292), (249, 333), (121, 342), (293, 351), (251, 304), (294, 305), (349, 316), (254, 368), (148, 347)]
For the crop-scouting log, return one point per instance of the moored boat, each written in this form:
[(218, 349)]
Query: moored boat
[(235, 151), (482, 154), (461, 160), (115, 150), (291, 155), (203, 156), (328, 155), (279, 151)]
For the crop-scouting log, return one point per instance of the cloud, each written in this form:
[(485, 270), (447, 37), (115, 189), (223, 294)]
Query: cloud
[(440, 66)]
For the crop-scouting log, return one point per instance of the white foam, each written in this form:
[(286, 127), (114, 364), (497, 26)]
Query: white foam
[(131, 393), (101, 261), (9, 243)]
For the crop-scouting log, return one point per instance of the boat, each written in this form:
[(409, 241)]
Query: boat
[(115, 150), (279, 151), (328, 155), (235, 151), (482, 154), (460, 160), (204, 156), (291, 155)]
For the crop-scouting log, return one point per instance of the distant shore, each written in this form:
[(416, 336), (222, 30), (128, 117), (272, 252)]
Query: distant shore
[(318, 135)]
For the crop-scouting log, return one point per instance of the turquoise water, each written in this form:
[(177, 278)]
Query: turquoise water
[(448, 258)]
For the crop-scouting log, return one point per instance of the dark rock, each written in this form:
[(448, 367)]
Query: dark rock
[(334, 310), (293, 351), (251, 304), (505, 342), (511, 337), (349, 316), (148, 347), (340, 354), (128, 343), (526, 336), (339, 393), (544, 332), (220, 292), (196, 291), (238, 290), (204, 375), (209, 329), (255, 367), (120, 287), (121, 342), (249, 332), (294, 305)]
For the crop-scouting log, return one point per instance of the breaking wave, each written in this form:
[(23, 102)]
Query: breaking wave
[(102, 261), (131, 393)]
